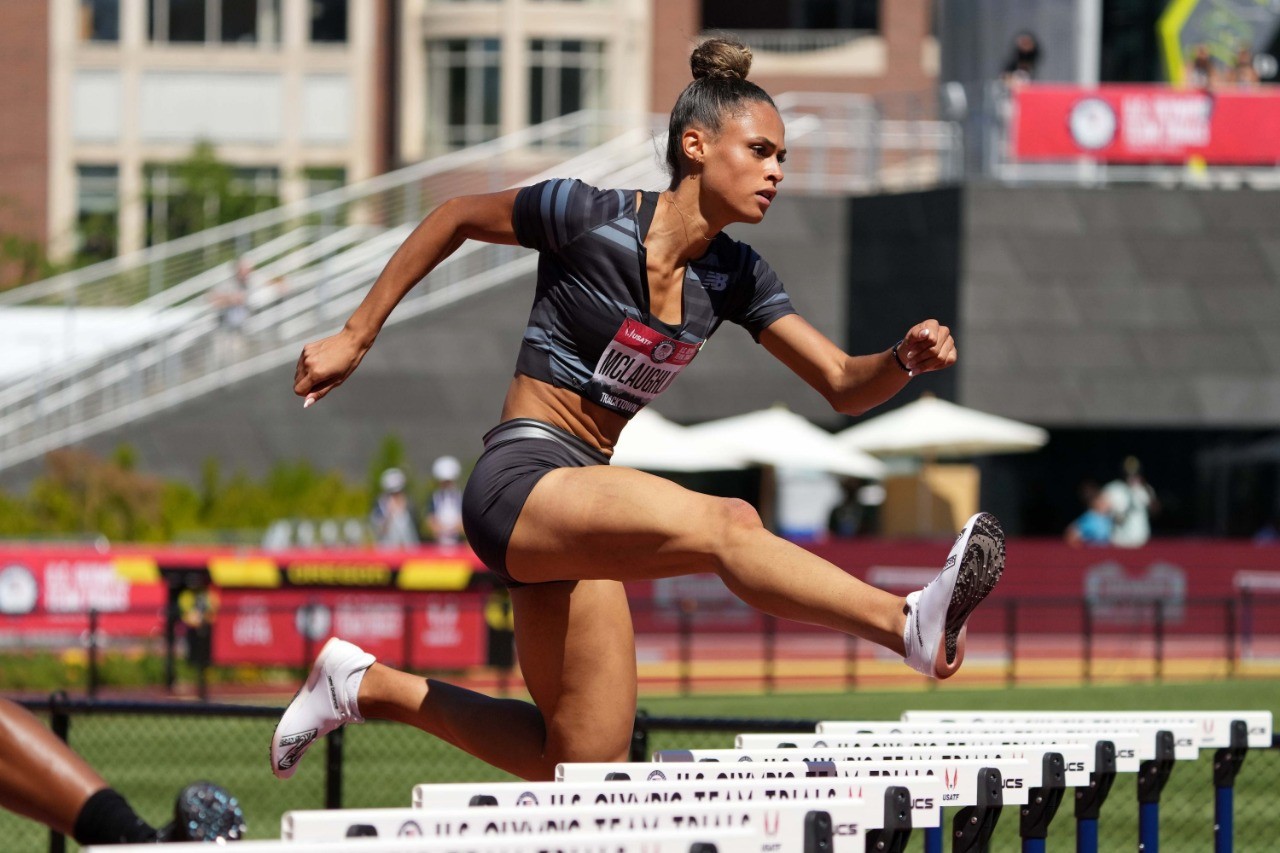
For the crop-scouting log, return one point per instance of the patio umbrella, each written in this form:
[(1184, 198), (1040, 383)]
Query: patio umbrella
[(653, 443), (780, 437), (930, 429), (933, 428)]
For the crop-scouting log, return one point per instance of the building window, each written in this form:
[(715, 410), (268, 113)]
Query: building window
[(791, 15), (463, 96), (564, 76), (97, 212), (184, 198), (100, 20), (328, 20), (214, 21), (322, 179)]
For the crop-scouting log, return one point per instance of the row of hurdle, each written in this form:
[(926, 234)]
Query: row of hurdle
[(848, 787)]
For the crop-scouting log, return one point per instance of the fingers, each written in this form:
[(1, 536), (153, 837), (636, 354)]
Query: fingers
[(928, 347)]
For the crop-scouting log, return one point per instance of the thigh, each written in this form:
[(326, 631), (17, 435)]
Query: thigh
[(577, 654), (618, 523)]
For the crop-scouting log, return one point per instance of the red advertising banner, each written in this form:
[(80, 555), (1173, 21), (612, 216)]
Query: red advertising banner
[(1146, 124), (45, 593), (436, 630)]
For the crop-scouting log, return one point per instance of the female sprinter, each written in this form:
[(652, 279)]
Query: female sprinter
[(629, 286)]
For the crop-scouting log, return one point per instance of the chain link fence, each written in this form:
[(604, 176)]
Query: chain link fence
[(149, 751)]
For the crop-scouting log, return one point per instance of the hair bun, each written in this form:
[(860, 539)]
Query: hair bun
[(720, 57)]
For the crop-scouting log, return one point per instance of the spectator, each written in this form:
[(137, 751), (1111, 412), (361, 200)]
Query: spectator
[(444, 515), (1202, 71), (845, 520), (44, 779), (1131, 502), (1021, 66), (1094, 526), (392, 516), (231, 299), (1242, 72)]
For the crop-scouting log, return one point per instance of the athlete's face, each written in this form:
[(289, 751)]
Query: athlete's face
[(743, 162)]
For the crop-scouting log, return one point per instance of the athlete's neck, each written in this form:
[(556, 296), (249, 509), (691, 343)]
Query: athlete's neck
[(680, 230)]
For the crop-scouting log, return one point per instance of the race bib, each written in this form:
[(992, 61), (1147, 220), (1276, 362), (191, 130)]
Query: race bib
[(637, 366)]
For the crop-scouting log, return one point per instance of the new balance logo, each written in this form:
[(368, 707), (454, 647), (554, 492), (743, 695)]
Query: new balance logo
[(298, 744), (716, 280)]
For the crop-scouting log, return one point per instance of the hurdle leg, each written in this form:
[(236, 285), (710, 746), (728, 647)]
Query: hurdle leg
[(1152, 776), (1042, 803), (893, 836), (1089, 799), (972, 825), (1226, 765)]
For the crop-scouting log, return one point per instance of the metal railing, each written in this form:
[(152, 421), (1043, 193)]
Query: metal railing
[(313, 260)]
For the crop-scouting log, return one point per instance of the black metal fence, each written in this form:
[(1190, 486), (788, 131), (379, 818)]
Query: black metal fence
[(148, 751), (1083, 640)]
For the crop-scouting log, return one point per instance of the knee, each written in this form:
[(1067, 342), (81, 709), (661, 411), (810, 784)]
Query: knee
[(736, 520)]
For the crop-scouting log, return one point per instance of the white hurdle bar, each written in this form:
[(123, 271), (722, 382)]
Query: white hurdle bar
[(1212, 729), (979, 788), (1145, 734), (1233, 733), (724, 841), (839, 825), (925, 792)]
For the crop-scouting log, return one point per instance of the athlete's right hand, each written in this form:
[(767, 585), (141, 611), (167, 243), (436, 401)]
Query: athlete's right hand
[(325, 364)]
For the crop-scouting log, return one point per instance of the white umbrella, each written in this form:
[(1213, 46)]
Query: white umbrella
[(653, 443), (781, 438), (934, 428)]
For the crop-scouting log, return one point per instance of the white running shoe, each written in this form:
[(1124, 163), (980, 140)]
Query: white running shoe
[(320, 706), (937, 613)]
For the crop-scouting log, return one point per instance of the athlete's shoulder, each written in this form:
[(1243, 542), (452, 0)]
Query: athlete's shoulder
[(552, 213)]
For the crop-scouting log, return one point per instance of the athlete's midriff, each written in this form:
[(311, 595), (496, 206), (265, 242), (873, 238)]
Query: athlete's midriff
[(564, 408)]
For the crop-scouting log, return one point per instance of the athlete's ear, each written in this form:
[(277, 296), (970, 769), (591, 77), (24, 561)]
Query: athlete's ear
[(693, 142)]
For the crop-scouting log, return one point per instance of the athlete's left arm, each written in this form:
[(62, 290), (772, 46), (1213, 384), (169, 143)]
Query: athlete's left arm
[(852, 384)]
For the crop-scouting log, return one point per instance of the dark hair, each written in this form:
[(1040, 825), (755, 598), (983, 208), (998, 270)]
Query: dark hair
[(720, 67)]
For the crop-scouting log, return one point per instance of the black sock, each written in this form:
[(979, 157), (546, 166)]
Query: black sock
[(107, 818)]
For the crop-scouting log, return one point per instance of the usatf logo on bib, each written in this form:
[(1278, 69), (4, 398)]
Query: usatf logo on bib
[(637, 365)]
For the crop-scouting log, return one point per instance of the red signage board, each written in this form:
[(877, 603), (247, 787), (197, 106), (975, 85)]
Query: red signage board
[(45, 594), (287, 626), (1146, 124)]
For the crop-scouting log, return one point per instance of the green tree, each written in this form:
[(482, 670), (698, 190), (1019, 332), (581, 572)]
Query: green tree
[(197, 193)]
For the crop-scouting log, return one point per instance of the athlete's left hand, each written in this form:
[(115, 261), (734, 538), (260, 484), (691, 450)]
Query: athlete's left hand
[(927, 347)]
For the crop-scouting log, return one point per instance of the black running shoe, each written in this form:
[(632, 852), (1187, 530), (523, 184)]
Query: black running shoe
[(205, 812)]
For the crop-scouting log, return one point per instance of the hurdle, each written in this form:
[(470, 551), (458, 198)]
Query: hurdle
[(1231, 732), (839, 825), (924, 794), (725, 841), (1111, 746), (639, 792), (1060, 765), (979, 788), (1113, 752)]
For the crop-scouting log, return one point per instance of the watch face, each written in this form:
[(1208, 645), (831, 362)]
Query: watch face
[(1092, 123), (18, 590)]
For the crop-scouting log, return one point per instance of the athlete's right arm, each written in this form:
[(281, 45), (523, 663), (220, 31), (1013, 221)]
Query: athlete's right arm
[(325, 364)]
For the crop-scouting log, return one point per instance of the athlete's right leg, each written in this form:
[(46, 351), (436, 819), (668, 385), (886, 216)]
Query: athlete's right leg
[(623, 524)]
